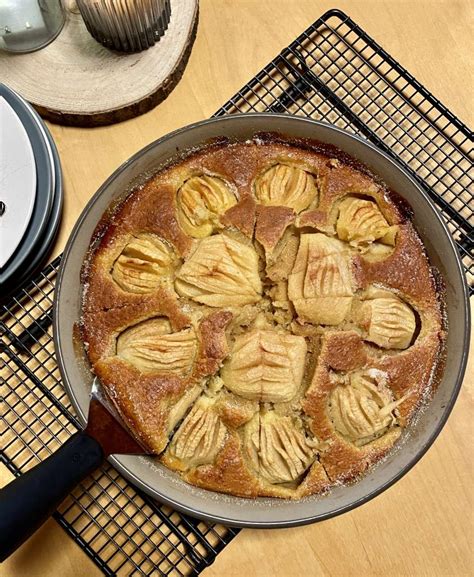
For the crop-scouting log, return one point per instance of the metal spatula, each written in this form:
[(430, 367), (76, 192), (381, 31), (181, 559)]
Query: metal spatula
[(28, 501)]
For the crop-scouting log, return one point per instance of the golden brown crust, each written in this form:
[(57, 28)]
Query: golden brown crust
[(143, 406), (241, 216), (158, 337), (214, 347), (100, 327), (271, 223), (406, 269), (228, 471)]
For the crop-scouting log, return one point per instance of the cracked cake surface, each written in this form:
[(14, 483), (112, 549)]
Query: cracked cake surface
[(264, 317)]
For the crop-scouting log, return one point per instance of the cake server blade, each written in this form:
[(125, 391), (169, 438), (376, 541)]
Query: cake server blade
[(106, 427), (28, 501)]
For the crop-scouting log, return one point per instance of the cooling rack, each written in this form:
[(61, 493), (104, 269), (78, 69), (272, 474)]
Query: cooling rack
[(333, 72)]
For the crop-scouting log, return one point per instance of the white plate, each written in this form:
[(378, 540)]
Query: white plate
[(17, 181)]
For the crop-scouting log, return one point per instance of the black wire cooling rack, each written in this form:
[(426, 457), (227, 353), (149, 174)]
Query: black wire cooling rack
[(333, 72)]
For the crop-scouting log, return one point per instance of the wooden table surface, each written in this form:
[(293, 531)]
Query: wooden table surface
[(424, 524)]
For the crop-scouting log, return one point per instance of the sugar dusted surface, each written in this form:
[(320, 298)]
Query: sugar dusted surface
[(108, 311)]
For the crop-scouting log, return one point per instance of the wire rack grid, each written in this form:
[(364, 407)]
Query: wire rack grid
[(333, 72), (120, 528)]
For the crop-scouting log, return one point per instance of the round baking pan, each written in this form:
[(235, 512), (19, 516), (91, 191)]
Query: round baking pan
[(165, 485), (45, 178)]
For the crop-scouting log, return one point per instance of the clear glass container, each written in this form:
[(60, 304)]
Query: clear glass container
[(126, 25), (28, 25)]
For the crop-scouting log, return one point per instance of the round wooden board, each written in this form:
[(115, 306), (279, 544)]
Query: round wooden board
[(78, 82)]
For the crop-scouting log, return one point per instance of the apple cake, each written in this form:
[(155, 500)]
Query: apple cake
[(264, 316)]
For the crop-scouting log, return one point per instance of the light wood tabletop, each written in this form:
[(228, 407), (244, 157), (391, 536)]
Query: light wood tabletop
[(424, 524)]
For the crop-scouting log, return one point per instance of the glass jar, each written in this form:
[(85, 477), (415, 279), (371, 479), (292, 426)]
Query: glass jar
[(28, 25), (126, 25)]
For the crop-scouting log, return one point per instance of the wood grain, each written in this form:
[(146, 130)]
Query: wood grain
[(77, 82), (424, 524)]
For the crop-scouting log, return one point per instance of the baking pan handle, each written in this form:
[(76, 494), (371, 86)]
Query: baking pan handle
[(28, 501)]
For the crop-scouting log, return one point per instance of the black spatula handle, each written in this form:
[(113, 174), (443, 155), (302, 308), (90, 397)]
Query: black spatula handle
[(28, 501)]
